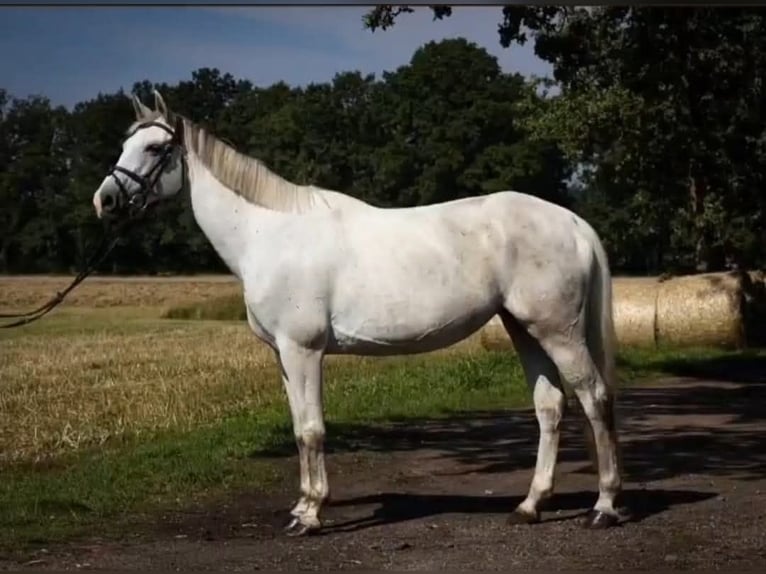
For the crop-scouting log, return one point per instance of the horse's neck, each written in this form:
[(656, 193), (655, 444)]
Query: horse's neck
[(229, 221), (226, 219)]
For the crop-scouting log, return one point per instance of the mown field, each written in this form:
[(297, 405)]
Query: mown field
[(109, 408)]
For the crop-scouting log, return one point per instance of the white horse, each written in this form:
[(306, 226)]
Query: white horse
[(324, 273)]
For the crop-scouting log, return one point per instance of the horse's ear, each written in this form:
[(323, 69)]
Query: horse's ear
[(141, 110), (159, 104)]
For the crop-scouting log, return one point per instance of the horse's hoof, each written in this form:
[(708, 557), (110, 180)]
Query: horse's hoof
[(520, 517), (297, 528), (598, 520)]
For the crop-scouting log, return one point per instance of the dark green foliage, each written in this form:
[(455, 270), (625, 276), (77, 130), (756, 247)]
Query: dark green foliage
[(443, 127), (659, 114), (664, 107)]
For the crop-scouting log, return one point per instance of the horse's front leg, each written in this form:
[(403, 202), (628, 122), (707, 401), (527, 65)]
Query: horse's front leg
[(296, 401), (302, 375)]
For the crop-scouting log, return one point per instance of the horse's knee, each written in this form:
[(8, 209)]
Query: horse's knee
[(549, 418), (312, 436), (550, 405)]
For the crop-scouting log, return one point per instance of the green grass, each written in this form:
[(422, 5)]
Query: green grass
[(640, 365), (152, 469)]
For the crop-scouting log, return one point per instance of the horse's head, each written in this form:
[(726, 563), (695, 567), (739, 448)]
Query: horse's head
[(151, 166)]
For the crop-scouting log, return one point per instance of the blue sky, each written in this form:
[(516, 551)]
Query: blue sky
[(70, 54)]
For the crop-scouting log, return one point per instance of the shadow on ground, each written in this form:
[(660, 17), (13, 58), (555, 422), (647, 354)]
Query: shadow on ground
[(707, 420), (689, 426), (742, 367), (667, 430), (399, 507)]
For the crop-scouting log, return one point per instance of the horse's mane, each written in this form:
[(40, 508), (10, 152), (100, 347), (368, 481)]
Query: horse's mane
[(246, 176)]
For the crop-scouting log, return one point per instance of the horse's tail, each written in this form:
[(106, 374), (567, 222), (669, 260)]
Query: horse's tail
[(600, 334), (602, 341)]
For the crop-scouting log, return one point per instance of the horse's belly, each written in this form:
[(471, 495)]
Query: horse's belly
[(425, 285), (410, 331)]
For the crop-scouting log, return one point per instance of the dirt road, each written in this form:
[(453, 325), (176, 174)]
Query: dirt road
[(435, 494)]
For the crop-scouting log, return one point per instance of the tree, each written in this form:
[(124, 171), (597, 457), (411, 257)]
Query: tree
[(454, 131), (661, 107), (33, 175), (679, 96)]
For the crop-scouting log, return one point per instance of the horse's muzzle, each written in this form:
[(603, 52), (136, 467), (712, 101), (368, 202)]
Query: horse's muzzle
[(106, 202)]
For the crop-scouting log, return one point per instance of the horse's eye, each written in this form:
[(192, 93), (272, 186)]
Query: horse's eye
[(154, 148)]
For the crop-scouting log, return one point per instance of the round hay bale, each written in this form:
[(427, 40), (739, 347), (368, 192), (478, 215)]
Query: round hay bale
[(702, 310), (634, 311), (714, 309), (494, 337), (634, 301)]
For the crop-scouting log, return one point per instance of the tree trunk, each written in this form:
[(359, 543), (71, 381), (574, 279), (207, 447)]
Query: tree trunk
[(5, 248), (697, 199), (4, 256)]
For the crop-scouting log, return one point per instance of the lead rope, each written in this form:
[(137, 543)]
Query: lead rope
[(99, 255)]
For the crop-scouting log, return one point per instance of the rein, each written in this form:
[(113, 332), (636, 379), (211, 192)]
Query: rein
[(137, 204), (104, 248)]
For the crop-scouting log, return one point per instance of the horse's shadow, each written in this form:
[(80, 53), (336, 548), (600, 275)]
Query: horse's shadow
[(394, 507), (717, 431)]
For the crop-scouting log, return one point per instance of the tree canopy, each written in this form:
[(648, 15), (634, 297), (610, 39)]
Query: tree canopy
[(655, 136), (661, 111)]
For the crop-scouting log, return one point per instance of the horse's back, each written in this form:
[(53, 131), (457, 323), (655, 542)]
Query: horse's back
[(429, 276)]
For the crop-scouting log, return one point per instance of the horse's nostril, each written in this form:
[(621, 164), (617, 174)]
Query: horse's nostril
[(107, 201)]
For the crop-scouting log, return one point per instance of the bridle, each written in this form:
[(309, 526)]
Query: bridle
[(137, 201), (136, 204)]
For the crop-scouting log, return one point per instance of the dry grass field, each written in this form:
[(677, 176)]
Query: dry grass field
[(21, 292), (104, 364), (84, 380)]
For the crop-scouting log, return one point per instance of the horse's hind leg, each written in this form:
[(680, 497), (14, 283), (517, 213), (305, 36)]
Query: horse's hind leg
[(571, 355), (550, 403)]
